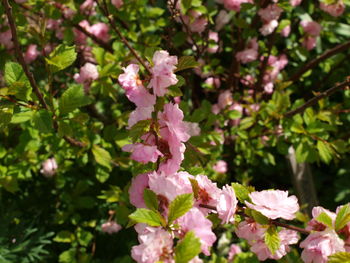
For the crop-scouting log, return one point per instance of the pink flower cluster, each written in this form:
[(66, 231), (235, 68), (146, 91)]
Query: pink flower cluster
[(312, 30), (336, 9), (87, 74), (250, 53), (269, 16)]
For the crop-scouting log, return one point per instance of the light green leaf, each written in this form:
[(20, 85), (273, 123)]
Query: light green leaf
[(260, 218), (325, 151), (343, 217), (102, 157), (150, 199), (68, 256), (180, 206), (325, 219), (72, 99), (84, 237), (140, 128), (272, 239), (64, 237), (42, 120), (186, 62), (195, 187), (21, 117), (242, 192), (6, 111), (187, 248), (149, 217), (340, 257), (234, 114), (17, 81), (246, 123), (62, 57)]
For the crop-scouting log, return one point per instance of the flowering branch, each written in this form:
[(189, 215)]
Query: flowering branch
[(19, 55)]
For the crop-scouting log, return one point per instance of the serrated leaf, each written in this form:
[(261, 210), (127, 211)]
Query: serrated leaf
[(259, 217), (72, 99), (150, 199), (242, 192), (343, 217), (61, 57), (102, 156), (325, 151), (149, 217), (325, 219), (272, 239), (186, 62), (180, 206), (187, 248), (42, 120), (17, 81), (339, 257)]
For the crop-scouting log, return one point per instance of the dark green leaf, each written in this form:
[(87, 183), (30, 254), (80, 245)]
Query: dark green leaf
[(42, 120), (186, 62)]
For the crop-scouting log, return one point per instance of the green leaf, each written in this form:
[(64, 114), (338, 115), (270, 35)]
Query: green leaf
[(339, 257), (175, 90), (234, 114), (17, 81), (64, 237), (242, 192), (140, 128), (186, 62), (150, 199), (305, 153), (72, 99), (6, 111), (180, 206), (21, 117), (325, 151), (62, 57), (102, 173), (272, 239), (195, 187), (68, 256), (187, 248), (343, 217), (260, 218), (102, 157), (325, 219), (84, 237), (42, 120), (149, 217), (246, 123)]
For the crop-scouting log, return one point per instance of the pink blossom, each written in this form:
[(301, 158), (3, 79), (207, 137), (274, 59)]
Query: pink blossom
[(100, 30), (215, 109), (227, 204), (276, 65), (142, 153), (225, 99), (314, 224), (111, 227), (138, 185), (311, 28), (309, 42), (213, 37), (49, 167), (6, 39), (221, 20), (163, 72), (208, 193), (195, 221), (250, 53), (88, 7), (234, 250), (220, 167), (195, 21), (88, 73), (295, 2), (192, 128), (139, 114), (31, 54), (250, 230), (268, 27), (274, 204), (212, 81), (174, 157), (158, 246), (135, 91), (80, 37), (269, 16), (235, 5), (286, 31), (318, 246), (117, 3), (336, 9)]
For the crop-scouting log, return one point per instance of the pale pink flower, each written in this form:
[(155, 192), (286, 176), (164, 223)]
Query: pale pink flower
[(336, 9), (174, 158), (195, 221), (111, 227), (227, 204), (234, 250), (142, 153), (192, 128), (309, 42), (195, 21), (158, 246), (276, 64), (274, 204), (208, 193), (49, 167), (100, 30), (138, 186), (215, 109), (235, 5), (269, 16), (88, 7), (117, 3), (220, 167), (250, 230), (295, 2), (213, 36), (311, 28), (268, 27), (80, 37), (212, 81), (88, 73), (225, 99), (163, 72), (6, 39), (250, 53), (313, 224), (31, 54), (139, 114), (286, 31), (318, 246), (221, 20), (196, 259)]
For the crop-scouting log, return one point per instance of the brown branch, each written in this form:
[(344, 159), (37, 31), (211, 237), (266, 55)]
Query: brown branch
[(19, 55), (315, 99), (313, 63), (74, 142), (112, 23)]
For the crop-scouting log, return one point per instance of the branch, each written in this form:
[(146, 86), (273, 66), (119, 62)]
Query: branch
[(315, 99), (112, 23), (316, 61), (19, 55)]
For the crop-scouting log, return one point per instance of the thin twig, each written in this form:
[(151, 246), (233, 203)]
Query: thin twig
[(112, 23), (315, 99), (19, 55), (316, 61)]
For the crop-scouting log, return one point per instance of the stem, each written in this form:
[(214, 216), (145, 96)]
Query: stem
[(316, 61), (315, 99), (19, 55), (112, 23)]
